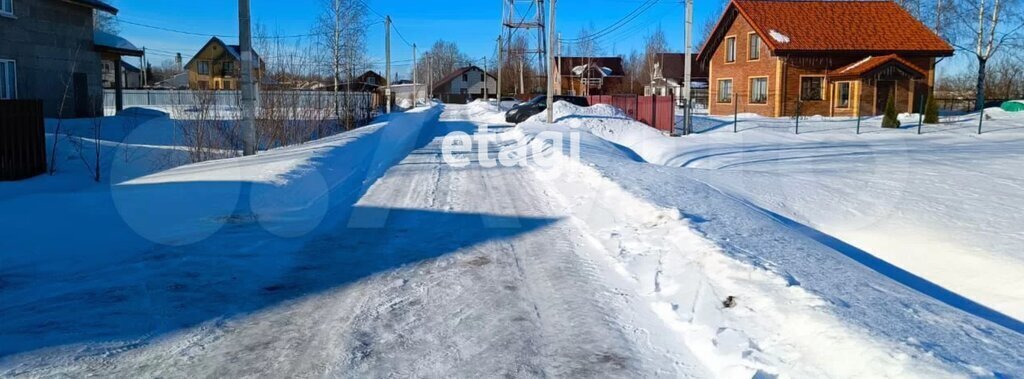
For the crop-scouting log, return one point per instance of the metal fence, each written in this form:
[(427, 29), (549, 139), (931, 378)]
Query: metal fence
[(299, 98), (951, 104), (655, 111), (22, 139)]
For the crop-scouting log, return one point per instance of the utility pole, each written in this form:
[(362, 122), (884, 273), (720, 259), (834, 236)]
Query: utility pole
[(336, 54), (430, 78), (497, 90), (387, 55), (142, 62), (558, 67), (548, 67), (415, 93), (688, 31), (248, 90)]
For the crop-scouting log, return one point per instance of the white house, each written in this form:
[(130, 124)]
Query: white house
[(464, 84)]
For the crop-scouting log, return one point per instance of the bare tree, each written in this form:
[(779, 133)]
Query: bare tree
[(441, 59), (341, 34), (518, 65), (984, 28), (654, 44), (634, 67)]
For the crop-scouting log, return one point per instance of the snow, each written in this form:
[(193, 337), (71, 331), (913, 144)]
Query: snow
[(778, 37), (102, 38), (793, 205), (113, 238), (953, 195), (855, 64), (365, 254)]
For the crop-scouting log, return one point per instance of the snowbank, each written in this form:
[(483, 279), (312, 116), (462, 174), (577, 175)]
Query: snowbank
[(233, 212), (822, 300)]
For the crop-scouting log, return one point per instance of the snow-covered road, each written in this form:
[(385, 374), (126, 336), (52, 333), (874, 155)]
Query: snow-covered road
[(367, 255), (438, 272)]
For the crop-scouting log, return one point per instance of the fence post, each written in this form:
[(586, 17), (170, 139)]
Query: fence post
[(798, 117), (858, 119), (920, 116), (735, 112), (981, 119)]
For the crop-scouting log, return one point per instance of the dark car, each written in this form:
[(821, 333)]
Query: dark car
[(523, 111)]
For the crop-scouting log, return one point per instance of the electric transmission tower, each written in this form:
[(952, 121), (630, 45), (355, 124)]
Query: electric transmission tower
[(526, 17)]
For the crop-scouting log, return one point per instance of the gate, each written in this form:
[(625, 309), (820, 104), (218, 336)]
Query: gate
[(22, 139)]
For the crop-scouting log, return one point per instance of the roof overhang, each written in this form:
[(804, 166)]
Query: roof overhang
[(873, 65), (94, 4), (113, 44)]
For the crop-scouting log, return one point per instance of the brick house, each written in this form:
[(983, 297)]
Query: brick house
[(832, 58), (217, 66)]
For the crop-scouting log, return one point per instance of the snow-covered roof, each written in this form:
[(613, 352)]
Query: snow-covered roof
[(115, 43), (778, 37), (579, 70)]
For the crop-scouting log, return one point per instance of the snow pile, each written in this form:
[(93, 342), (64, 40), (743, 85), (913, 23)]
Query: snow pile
[(774, 328), (484, 111), (761, 206), (613, 124), (778, 37), (241, 216)]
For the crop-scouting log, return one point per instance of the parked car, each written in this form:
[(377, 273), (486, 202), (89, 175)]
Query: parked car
[(523, 111)]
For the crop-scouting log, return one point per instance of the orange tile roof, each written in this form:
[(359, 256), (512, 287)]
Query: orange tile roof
[(873, 62), (853, 26)]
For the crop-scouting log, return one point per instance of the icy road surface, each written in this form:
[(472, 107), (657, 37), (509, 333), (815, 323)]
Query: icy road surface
[(439, 272)]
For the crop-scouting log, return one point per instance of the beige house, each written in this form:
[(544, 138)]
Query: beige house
[(217, 65)]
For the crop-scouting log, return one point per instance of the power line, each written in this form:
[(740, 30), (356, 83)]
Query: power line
[(629, 17)]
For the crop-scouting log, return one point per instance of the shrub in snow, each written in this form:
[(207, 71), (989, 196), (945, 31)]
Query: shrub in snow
[(890, 119), (931, 111)]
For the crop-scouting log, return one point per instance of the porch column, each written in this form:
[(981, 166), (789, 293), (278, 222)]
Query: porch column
[(118, 94)]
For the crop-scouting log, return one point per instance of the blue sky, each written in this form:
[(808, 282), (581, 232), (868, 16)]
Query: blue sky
[(472, 24)]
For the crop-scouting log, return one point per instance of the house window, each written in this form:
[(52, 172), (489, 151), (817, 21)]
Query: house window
[(465, 77), (203, 67), (811, 88), (7, 7), (204, 84), (759, 90), (229, 68), (730, 49), (725, 90), (843, 95), (755, 47), (8, 80), (481, 77)]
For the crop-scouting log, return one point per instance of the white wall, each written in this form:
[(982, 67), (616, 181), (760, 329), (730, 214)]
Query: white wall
[(473, 83)]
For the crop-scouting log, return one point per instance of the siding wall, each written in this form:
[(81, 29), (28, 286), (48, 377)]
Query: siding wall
[(473, 84), (46, 39)]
